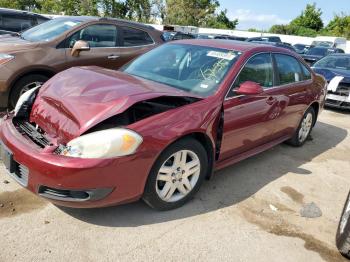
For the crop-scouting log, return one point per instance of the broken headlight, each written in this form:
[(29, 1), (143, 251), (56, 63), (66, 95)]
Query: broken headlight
[(108, 143)]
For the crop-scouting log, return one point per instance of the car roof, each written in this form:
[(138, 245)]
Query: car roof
[(14, 11), (233, 45), (122, 21)]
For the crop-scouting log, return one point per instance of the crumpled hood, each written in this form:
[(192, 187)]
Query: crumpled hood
[(329, 74), (11, 44), (77, 99)]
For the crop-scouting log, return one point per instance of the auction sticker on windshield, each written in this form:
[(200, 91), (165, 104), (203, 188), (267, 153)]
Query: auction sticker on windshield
[(222, 55)]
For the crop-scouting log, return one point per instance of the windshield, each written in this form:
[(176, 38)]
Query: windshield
[(317, 51), (334, 62), (322, 43), (50, 30), (195, 69)]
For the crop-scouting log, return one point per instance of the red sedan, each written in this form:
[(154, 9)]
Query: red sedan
[(93, 137)]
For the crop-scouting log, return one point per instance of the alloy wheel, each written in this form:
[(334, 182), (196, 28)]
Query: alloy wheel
[(305, 128), (178, 175), (29, 86)]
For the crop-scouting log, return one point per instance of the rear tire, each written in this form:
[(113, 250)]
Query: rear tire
[(24, 84), (177, 175), (304, 129), (343, 232)]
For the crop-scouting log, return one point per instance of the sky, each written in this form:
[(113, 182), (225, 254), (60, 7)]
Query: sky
[(262, 14)]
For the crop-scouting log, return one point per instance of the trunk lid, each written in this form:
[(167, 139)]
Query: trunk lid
[(77, 99)]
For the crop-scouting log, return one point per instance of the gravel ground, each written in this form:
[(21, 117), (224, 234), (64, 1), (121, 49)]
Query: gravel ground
[(257, 210)]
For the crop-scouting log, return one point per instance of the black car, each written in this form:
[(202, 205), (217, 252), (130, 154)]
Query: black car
[(172, 36), (14, 21), (343, 232), (230, 37), (301, 48), (316, 53), (274, 39), (336, 65), (277, 44)]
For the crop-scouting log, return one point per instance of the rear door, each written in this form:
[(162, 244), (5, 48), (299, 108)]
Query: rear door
[(104, 46), (134, 42), (293, 91), (249, 120)]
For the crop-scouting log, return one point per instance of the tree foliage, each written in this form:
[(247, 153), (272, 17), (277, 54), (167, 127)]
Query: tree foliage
[(340, 26), (310, 18), (176, 12), (309, 23)]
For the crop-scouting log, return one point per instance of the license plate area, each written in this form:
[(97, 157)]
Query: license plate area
[(7, 158), (17, 171)]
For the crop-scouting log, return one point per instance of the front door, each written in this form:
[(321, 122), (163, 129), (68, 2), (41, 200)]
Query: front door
[(249, 120), (104, 47)]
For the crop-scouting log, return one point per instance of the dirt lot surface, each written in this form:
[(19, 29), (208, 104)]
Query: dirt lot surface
[(247, 212)]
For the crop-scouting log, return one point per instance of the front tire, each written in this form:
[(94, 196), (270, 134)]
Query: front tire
[(176, 175), (343, 232), (24, 84), (304, 129)]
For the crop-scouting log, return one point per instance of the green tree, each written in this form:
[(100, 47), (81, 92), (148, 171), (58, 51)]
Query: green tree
[(158, 8), (113, 8), (28, 5), (310, 18), (139, 10), (190, 12), (340, 26)]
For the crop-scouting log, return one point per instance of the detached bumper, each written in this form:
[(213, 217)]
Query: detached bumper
[(75, 182), (337, 101)]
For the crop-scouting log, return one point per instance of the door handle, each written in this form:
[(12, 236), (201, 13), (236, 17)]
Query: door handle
[(271, 100), (112, 57)]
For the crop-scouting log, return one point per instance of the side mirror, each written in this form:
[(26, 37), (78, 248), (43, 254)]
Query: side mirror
[(249, 88), (78, 47)]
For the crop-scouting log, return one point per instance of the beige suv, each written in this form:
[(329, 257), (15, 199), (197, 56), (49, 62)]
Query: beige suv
[(37, 54)]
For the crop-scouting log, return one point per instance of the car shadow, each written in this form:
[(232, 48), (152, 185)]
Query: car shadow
[(338, 110), (227, 187)]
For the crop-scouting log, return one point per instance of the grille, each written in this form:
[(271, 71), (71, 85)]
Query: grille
[(342, 90), (28, 130), (21, 174)]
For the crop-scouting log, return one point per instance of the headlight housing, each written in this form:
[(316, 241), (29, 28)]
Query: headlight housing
[(4, 58), (27, 99), (109, 143)]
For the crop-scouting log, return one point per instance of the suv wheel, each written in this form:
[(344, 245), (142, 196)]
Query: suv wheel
[(23, 85)]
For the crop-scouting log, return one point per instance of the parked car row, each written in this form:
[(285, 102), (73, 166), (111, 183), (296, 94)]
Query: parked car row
[(32, 57)]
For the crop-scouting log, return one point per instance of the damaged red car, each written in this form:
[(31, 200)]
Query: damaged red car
[(93, 137)]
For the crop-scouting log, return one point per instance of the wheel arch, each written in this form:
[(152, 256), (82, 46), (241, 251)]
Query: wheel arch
[(48, 72), (316, 107)]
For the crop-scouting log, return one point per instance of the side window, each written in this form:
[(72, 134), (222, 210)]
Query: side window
[(258, 69), (96, 35), (135, 37), (289, 70), (306, 72)]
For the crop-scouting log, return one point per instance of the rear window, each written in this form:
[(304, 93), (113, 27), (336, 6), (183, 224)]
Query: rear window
[(289, 69), (135, 37), (317, 51)]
